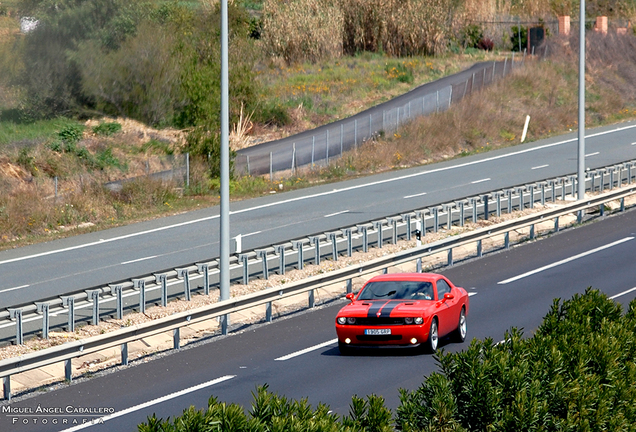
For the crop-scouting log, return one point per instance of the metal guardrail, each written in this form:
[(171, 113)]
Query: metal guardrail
[(66, 352), (114, 300)]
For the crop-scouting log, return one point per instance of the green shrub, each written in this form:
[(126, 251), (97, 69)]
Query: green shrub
[(71, 134), (107, 128)]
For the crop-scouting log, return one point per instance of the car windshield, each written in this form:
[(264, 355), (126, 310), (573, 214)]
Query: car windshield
[(397, 290)]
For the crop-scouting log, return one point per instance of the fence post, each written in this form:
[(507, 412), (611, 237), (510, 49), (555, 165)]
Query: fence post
[(271, 168), (313, 150), (293, 161), (355, 134), (341, 132), (187, 158)]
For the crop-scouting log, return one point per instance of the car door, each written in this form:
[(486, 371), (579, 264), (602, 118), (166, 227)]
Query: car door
[(446, 309)]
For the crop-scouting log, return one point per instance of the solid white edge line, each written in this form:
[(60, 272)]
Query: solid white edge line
[(149, 403), (565, 261), (620, 129), (306, 350), (337, 213), (623, 293)]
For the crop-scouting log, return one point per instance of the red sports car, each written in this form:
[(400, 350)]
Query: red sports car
[(403, 309)]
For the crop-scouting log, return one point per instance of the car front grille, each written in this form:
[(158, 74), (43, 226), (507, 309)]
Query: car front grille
[(373, 321)]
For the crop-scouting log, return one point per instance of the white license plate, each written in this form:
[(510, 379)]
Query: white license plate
[(374, 332)]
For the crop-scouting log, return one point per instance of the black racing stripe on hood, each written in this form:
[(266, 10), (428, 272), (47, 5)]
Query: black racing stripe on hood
[(389, 306), (375, 307)]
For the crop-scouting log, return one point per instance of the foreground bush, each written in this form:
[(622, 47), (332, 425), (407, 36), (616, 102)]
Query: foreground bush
[(577, 373)]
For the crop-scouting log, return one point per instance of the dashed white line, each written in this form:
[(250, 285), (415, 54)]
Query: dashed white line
[(565, 261), (306, 350), (480, 181), (623, 293), (634, 143), (416, 195), (150, 403), (138, 259), (470, 294), (539, 167), (592, 154), (337, 213), (14, 288)]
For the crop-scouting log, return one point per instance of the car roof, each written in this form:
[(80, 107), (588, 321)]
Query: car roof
[(423, 277)]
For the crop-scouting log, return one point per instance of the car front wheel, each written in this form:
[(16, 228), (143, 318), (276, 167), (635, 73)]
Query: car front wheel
[(462, 327), (433, 338)]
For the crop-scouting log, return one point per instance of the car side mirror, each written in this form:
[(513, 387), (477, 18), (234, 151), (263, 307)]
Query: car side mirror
[(448, 296), (350, 296)]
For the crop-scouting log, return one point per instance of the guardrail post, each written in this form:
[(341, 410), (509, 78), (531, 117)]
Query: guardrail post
[(280, 250), (176, 338), (94, 296), (348, 233), (312, 299), (334, 246), (450, 257), (6, 381), (449, 216), (532, 196), (69, 301), (509, 197), (365, 238), (532, 232), (474, 204), (43, 308), (435, 219), (542, 194), (298, 245), (622, 204), (315, 241), (16, 314), (378, 227), (522, 203), (268, 311), (204, 269), (393, 223), (140, 284), (119, 307), (602, 209), (461, 213), (479, 245), (349, 286), (246, 268), (162, 279), (507, 240), (629, 173), (498, 198), (124, 354), (556, 224), (485, 200), (407, 218), (611, 176), (562, 189), (68, 370), (185, 274)]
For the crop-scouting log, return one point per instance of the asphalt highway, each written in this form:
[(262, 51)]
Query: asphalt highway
[(58, 267), (297, 356)]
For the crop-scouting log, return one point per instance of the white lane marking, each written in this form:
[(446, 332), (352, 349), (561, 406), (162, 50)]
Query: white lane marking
[(139, 259), (565, 261), (470, 294), (480, 181), (306, 350), (634, 143), (337, 213), (251, 234), (623, 293), (416, 195), (14, 288), (540, 166), (418, 174), (592, 154), (150, 403)]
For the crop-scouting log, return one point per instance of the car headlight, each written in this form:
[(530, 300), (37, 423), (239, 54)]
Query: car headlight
[(351, 320), (342, 320), (408, 320), (419, 320)]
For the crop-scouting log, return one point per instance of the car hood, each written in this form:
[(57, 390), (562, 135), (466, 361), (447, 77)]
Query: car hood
[(386, 308)]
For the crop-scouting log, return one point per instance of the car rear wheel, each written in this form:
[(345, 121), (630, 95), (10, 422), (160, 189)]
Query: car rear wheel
[(462, 327), (345, 349), (433, 338)]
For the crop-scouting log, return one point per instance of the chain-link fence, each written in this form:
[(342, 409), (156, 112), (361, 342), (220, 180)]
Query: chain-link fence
[(321, 145)]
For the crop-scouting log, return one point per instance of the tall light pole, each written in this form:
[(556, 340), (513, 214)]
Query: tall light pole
[(224, 264), (581, 158)]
